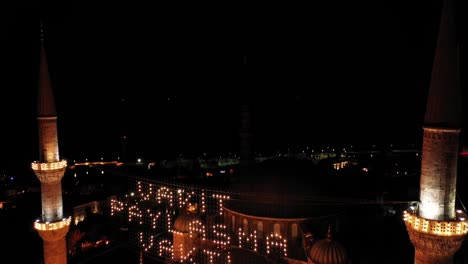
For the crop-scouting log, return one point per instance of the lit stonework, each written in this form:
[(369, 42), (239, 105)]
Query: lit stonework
[(49, 172), (48, 128), (439, 173), (53, 237)]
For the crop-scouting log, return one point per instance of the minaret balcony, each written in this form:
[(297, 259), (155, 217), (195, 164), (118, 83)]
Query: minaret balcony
[(47, 166), (456, 227), (53, 231), (48, 172), (46, 226)]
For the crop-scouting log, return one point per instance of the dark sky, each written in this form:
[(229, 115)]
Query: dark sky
[(170, 76)]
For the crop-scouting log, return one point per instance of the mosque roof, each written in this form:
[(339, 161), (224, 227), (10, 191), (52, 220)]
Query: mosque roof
[(283, 188)]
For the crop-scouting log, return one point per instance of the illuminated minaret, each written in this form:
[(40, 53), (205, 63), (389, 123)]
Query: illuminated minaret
[(436, 229), (49, 169)]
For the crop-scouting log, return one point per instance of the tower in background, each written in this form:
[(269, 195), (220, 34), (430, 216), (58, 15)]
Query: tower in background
[(435, 227), (49, 169), (246, 150)]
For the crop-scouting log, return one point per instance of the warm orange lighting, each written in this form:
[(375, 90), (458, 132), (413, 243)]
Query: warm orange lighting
[(49, 165), (116, 163), (52, 226), (435, 227)]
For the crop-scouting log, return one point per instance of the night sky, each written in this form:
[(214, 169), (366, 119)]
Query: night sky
[(171, 77)]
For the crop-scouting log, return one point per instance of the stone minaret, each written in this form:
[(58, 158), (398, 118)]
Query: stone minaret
[(49, 169), (436, 228)]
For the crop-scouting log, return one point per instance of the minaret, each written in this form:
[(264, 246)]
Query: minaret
[(436, 229), (245, 134), (246, 152), (49, 169)]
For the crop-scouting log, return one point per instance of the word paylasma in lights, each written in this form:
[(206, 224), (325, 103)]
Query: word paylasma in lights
[(166, 200)]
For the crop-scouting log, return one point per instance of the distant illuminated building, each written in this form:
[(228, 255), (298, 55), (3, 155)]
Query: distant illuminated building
[(436, 228), (49, 169)]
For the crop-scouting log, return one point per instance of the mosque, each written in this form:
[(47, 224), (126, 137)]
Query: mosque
[(263, 217), (268, 215)]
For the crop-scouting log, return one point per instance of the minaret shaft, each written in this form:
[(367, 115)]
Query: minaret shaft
[(48, 140), (439, 173), (51, 196), (53, 237), (55, 251)]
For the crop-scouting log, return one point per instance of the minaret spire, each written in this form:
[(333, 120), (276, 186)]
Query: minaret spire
[(46, 104), (443, 107), (41, 31), (329, 233)]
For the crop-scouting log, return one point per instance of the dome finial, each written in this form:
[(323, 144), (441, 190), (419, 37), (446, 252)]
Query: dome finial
[(329, 233), (41, 30)]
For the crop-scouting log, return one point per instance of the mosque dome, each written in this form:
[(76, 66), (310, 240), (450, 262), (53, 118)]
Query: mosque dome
[(328, 251), (283, 188), (184, 220)]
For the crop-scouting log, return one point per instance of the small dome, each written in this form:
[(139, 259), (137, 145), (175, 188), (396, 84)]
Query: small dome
[(328, 251), (183, 222)]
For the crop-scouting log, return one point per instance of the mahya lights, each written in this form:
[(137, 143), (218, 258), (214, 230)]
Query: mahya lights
[(217, 256), (276, 245), (187, 256), (153, 208), (197, 227), (221, 198), (135, 212), (166, 248), (220, 235), (248, 241), (149, 242), (179, 197), (116, 206)]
